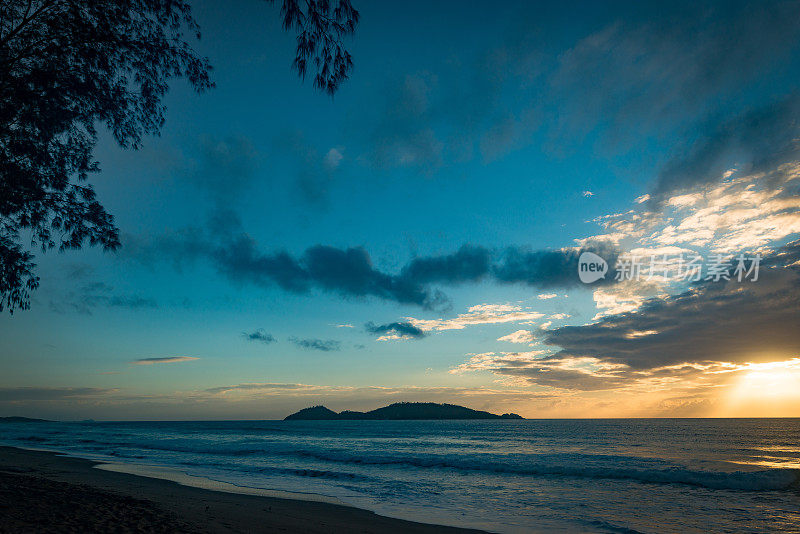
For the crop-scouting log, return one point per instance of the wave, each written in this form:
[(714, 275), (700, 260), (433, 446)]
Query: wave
[(775, 479), (574, 465), (298, 472), (316, 473)]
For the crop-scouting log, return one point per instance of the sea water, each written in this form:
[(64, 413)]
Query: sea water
[(624, 475)]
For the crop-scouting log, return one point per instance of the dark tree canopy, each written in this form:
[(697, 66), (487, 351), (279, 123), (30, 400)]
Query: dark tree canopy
[(69, 67)]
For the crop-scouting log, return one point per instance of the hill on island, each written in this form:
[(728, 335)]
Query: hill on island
[(397, 411), (18, 419)]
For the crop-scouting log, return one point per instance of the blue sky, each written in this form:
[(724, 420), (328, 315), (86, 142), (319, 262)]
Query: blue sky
[(511, 128)]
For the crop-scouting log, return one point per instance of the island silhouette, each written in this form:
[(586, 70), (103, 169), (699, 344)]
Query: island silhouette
[(397, 411), (18, 419)]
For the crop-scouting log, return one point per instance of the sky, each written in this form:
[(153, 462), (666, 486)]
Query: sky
[(418, 236)]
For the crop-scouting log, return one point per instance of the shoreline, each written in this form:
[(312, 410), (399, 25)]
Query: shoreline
[(71, 494), (194, 481)]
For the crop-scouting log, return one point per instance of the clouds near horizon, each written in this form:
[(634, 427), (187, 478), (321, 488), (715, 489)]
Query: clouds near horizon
[(168, 359)]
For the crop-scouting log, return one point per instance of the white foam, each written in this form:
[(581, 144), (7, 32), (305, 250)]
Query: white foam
[(184, 479)]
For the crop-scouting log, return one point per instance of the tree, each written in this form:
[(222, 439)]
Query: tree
[(68, 67)]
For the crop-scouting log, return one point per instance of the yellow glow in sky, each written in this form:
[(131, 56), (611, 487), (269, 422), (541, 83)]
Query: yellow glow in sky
[(770, 389)]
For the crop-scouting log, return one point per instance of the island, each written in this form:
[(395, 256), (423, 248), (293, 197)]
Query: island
[(397, 412), (18, 419)]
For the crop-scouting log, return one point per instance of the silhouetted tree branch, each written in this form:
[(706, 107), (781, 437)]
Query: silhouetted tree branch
[(68, 67)]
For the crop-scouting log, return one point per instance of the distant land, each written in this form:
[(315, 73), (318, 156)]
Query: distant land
[(397, 411), (17, 419)]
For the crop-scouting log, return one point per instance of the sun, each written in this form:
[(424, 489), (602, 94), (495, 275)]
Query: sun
[(769, 389)]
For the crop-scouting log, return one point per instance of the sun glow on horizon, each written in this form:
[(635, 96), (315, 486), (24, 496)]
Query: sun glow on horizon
[(770, 389)]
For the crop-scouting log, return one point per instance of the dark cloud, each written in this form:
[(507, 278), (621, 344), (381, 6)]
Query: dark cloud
[(350, 272), (758, 140), (660, 69), (240, 260), (716, 321), (49, 394), (325, 345), (259, 335), (404, 330), (550, 268), (468, 264), (548, 375), (98, 295), (654, 70)]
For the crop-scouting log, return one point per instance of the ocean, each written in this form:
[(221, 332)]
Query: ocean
[(624, 475)]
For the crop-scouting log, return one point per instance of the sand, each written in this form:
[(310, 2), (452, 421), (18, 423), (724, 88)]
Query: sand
[(46, 492)]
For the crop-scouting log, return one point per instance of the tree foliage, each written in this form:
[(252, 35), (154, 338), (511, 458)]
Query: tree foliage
[(69, 67)]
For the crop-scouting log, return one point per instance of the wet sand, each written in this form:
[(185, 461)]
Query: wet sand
[(45, 492)]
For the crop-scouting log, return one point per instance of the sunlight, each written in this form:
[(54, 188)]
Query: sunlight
[(771, 387)]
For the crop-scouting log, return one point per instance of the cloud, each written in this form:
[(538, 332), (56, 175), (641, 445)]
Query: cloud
[(658, 71), (98, 295), (491, 361), (520, 336), (551, 268), (259, 335), (468, 264), (655, 73), (169, 359), (566, 373), (695, 340), (395, 331), (757, 140), (739, 213), (626, 296), (460, 113), (733, 321), (724, 322), (332, 159), (538, 268), (478, 314), (349, 272), (18, 394), (545, 296), (263, 386), (317, 344)]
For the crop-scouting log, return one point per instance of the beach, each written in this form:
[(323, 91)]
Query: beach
[(45, 492)]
